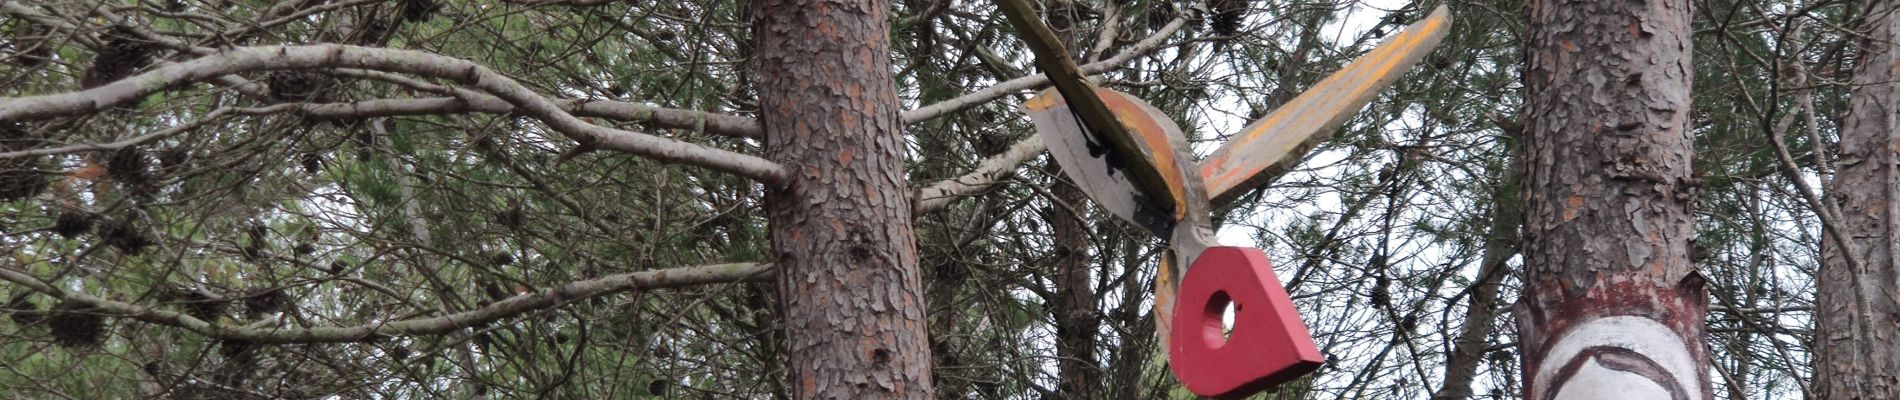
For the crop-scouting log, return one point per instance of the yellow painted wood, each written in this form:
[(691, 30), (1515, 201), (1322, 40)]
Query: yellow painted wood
[(1275, 143), (1160, 167)]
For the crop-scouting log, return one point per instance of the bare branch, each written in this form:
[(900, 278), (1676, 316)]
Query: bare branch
[(391, 60), (935, 197), (234, 82), (506, 308), (160, 134), (1038, 81), (718, 124)]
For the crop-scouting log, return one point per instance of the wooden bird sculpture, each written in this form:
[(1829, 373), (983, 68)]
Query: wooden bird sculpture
[(1135, 162)]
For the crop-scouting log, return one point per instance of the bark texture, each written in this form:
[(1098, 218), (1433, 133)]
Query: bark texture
[(1612, 302), (1078, 377), (1076, 302), (1857, 329), (850, 285)]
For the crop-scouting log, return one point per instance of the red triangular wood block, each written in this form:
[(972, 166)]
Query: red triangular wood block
[(1269, 344)]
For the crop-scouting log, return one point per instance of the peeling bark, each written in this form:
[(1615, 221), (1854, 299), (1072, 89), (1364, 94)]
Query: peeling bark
[(850, 286), (1857, 332), (1612, 302)]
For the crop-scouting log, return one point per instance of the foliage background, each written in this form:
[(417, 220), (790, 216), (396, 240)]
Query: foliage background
[(267, 218)]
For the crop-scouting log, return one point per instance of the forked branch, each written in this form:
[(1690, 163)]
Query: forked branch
[(525, 101), (437, 325)]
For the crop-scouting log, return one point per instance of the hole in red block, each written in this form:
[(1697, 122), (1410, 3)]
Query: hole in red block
[(1210, 359), (1217, 321)]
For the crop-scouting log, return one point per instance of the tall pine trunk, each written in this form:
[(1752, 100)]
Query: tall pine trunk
[(1613, 308), (1857, 338), (849, 281)]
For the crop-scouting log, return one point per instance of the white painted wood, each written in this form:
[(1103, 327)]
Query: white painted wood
[(1646, 337)]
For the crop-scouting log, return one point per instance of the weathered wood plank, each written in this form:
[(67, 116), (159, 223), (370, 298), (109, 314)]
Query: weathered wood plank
[(1270, 146), (1068, 79), (1105, 173)]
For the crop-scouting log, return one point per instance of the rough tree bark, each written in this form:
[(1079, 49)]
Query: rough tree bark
[(849, 282), (1077, 374), (1076, 303), (1613, 308), (1856, 334)]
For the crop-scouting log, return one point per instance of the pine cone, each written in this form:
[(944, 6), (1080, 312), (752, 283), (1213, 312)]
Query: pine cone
[(74, 324), (72, 222), (25, 312), (120, 233), (657, 387), (129, 167), (1161, 14), (1227, 16), (199, 305), (292, 86), (20, 178), (398, 353), (257, 232), (513, 217), (121, 57), (265, 301), (1381, 292), (237, 351), (419, 10), (989, 144), (312, 163)]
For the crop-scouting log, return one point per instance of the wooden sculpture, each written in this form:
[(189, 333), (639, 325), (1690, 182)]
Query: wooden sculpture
[(1135, 162)]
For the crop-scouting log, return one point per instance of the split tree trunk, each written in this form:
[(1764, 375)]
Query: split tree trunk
[(1613, 308), (1857, 334), (849, 281)]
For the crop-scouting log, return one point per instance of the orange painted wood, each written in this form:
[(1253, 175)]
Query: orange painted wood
[(1275, 143), (1087, 107), (1106, 173)]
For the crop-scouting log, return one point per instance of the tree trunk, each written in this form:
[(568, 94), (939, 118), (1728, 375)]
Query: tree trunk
[(1075, 310), (1612, 308), (1856, 335), (1461, 366), (1076, 307), (849, 282)]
